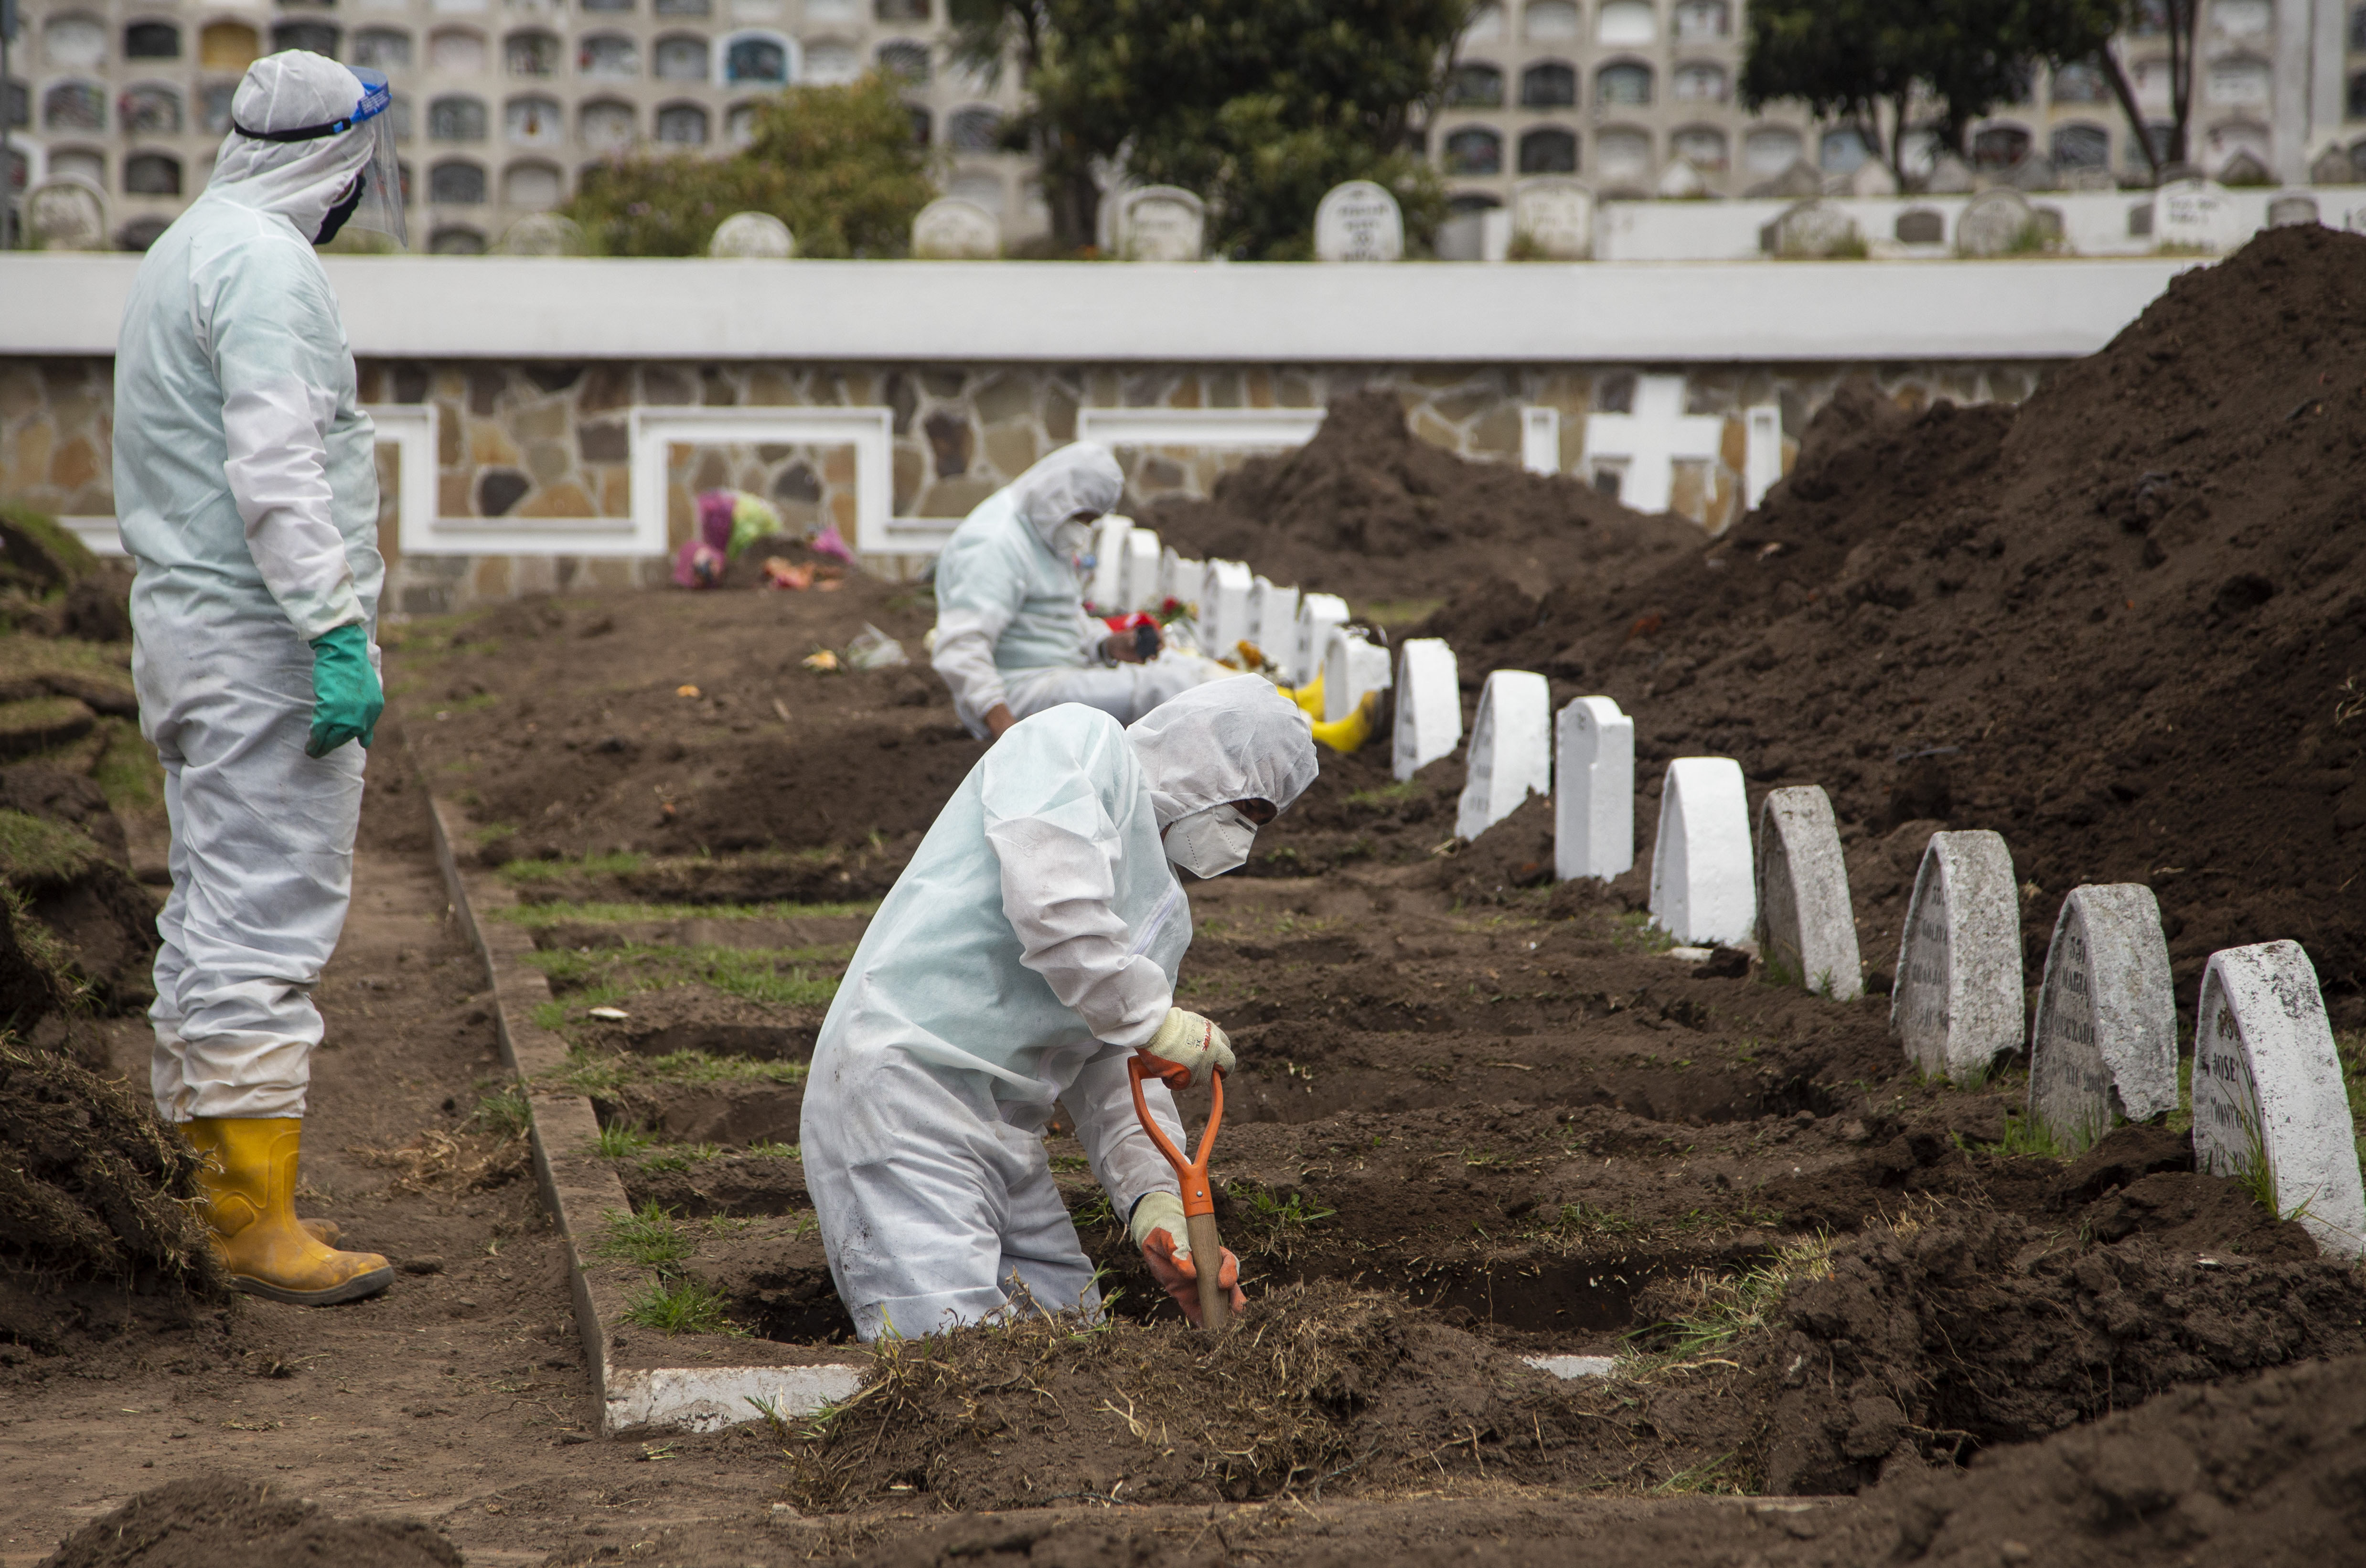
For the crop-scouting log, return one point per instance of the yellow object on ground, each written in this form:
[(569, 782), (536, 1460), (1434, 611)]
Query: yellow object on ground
[(1348, 734), (1308, 696), (249, 1181)]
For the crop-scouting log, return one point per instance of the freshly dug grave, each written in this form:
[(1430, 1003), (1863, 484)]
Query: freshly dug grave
[(226, 1523), (2119, 624), (1370, 511)]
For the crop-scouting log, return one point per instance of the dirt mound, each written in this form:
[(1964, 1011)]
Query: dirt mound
[(57, 872), (2116, 623), (234, 1524), (1370, 511)]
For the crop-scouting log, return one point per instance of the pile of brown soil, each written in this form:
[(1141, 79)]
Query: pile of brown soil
[(2116, 623), (1368, 510), (234, 1524)]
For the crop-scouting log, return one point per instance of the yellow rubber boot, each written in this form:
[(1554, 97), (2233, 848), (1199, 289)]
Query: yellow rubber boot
[(1348, 734), (249, 1181), (1308, 696)]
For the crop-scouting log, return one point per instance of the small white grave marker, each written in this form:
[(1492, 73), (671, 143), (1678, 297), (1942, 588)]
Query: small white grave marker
[(1429, 704), (1806, 927), (1644, 448), (1359, 221), (1273, 613), (1541, 440), (1106, 587), (2267, 1087), (1511, 749), (1555, 214), (1180, 579), (1161, 223), (2104, 1039), (1957, 1001), (1594, 815), (1224, 599), (952, 229), (1318, 616), (1761, 447), (1700, 867), (1138, 578), (747, 235), (1351, 666), (2196, 213)]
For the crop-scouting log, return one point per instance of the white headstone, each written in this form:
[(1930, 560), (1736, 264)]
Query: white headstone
[(2104, 1039), (1680, 181), (548, 234), (1105, 591), (1223, 601), (1352, 666), (1806, 927), (1318, 616), (2194, 213), (67, 215), (1161, 223), (1644, 447), (1994, 223), (1180, 579), (1871, 178), (1594, 815), (1137, 584), (2267, 1087), (1555, 214), (1762, 449), (1273, 615), (951, 229), (1701, 891), (1511, 750), (1541, 440), (1811, 229), (1429, 704), (1957, 1001), (1359, 221), (754, 236)]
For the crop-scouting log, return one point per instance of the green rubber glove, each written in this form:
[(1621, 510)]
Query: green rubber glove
[(346, 697)]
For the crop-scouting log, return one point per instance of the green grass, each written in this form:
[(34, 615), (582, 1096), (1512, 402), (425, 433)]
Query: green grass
[(603, 1071), (2028, 1135), (1398, 612), (2351, 1048), (34, 850), (619, 863), (681, 1156), (1723, 1308), (1634, 931), (504, 1113), (620, 1143), (1388, 795), (534, 917), (774, 1151), (1281, 1219), (128, 772), (755, 973), (679, 1306), (648, 1235)]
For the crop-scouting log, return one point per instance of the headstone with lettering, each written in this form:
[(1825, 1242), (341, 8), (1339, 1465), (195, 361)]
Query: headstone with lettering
[(1429, 705), (1701, 891), (1807, 926), (2104, 1043), (1594, 811), (1994, 223), (1273, 616), (1511, 750), (2267, 1094), (1138, 576), (2195, 214), (1224, 599), (1921, 226), (67, 215), (1555, 215), (1318, 616), (1105, 588), (1359, 221), (1957, 1001), (1810, 230), (1161, 223), (2291, 207), (752, 236), (1353, 665), (951, 229)]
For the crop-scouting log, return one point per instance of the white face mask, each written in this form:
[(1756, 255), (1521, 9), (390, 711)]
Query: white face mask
[(1211, 842), (1074, 542)]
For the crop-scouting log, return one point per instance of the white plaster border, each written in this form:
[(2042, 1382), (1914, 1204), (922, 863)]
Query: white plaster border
[(870, 431), (1229, 428)]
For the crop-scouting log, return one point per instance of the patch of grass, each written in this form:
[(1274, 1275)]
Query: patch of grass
[(128, 772), (604, 1073), (1071, 1163), (1388, 795), (1280, 1221), (1398, 612), (679, 1306), (534, 917), (619, 863), (2182, 1119), (619, 1141), (1634, 932), (648, 1235), (35, 851), (504, 1113), (1583, 1220), (2028, 1135), (758, 974), (774, 1151), (681, 1156), (2352, 1049), (1718, 1309)]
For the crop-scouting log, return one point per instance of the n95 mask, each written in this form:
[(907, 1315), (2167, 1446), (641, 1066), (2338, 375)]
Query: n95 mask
[(1211, 842), (1074, 542)]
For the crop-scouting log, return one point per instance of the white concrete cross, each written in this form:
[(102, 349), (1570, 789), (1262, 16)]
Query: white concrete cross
[(1644, 447)]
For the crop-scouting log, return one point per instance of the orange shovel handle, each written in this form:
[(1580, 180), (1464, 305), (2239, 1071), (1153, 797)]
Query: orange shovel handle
[(1192, 1175)]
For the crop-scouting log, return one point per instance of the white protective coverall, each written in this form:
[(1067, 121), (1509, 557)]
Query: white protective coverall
[(1025, 953), (1012, 626), (246, 492)]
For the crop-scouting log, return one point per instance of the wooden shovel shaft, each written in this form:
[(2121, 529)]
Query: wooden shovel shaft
[(1208, 1257)]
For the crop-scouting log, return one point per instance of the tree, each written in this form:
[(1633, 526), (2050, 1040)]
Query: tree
[(838, 166), (1258, 106)]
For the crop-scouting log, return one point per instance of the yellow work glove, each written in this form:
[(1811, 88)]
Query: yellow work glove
[(1159, 1230), (1192, 1042)]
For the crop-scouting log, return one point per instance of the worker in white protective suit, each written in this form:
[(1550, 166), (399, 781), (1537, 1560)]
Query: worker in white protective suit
[(1013, 638), (246, 490), (1026, 953)]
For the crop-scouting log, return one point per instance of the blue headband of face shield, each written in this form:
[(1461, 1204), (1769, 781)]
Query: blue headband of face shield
[(381, 203)]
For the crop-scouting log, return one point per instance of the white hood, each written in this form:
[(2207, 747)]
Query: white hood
[(1079, 477), (298, 180), (1231, 740)]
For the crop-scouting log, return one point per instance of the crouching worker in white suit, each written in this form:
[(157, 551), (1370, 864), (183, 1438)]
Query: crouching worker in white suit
[(1025, 955), (1012, 636)]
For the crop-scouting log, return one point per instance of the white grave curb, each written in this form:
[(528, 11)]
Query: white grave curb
[(1701, 872), (2265, 1072), (1957, 1001), (707, 1399), (1429, 705), (1319, 614), (1511, 749), (2104, 1037), (1594, 814), (1807, 926)]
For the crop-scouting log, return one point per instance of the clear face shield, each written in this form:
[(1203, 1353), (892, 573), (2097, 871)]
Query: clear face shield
[(376, 201)]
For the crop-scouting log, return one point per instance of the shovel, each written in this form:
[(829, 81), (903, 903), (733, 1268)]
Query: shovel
[(1199, 1200)]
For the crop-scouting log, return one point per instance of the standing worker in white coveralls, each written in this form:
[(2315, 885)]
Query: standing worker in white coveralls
[(1026, 953), (246, 490), (1013, 638)]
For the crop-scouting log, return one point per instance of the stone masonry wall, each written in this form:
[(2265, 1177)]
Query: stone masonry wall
[(551, 440)]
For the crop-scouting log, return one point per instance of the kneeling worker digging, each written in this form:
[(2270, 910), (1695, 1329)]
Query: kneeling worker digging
[(1027, 958)]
